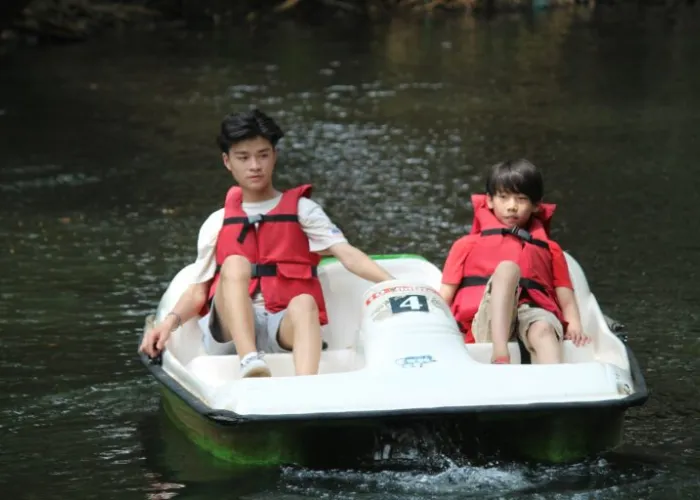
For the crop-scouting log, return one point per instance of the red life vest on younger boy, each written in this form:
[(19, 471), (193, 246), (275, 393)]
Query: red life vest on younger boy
[(283, 265), (496, 242)]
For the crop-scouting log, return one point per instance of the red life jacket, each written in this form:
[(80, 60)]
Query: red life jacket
[(498, 242), (283, 265)]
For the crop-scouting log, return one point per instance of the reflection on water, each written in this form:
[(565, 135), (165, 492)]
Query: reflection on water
[(109, 167)]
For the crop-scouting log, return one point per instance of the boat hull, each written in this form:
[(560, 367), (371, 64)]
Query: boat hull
[(548, 436)]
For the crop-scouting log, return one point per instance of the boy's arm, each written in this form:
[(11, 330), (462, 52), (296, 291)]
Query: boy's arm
[(564, 291), (569, 308), (359, 263), (325, 238), (453, 270), (195, 296), (447, 292), (187, 307)]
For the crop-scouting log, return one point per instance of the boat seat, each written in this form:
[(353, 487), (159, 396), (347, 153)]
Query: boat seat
[(481, 352), (215, 370)]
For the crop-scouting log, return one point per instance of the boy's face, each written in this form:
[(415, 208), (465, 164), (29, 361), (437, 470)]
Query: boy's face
[(511, 209), (251, 162)]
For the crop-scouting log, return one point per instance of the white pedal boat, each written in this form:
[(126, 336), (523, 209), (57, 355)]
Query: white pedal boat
[(395, 357)]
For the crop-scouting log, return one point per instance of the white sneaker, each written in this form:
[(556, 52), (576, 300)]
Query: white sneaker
[(253, 365)]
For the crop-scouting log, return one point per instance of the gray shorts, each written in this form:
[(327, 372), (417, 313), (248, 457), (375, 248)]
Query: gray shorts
[(267, 327)]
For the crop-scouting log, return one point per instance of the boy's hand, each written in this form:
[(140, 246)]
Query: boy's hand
[(154, 340), (574, 332)]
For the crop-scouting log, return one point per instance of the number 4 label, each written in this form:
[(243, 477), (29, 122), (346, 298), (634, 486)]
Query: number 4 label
[(408, 303)]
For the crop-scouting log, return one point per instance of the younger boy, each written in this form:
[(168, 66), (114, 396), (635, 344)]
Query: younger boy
[(507, 276)]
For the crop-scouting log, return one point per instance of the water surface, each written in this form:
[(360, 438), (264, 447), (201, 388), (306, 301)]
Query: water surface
[(108, 166)]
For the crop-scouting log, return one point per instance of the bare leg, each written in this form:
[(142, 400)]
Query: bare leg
[(504, 285), (233, 304), (544, 342), (300, 330)]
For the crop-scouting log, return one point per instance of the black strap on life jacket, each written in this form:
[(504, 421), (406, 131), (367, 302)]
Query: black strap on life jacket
[(250, 221), (517, 232), (525, 283), (259, 270)]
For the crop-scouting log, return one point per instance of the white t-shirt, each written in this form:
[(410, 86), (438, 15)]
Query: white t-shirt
[(317, 226)]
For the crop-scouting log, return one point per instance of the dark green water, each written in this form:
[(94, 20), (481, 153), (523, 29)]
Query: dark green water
[(108, 167)]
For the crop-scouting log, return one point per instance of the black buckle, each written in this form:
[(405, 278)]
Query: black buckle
[(520, 233), (250, 222), (260, 270), (254, 219), (267, 270)]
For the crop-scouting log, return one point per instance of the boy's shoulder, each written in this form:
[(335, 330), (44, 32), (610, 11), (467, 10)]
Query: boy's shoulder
[(469, 236), (554, 246), (465, 241), (305, 205)]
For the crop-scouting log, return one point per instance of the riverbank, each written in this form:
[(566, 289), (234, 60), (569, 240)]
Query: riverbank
[(36, 22), (31, 22), (71, 20)]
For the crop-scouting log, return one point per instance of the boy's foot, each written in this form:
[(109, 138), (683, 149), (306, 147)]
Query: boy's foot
[(501, 360), (253, 365)]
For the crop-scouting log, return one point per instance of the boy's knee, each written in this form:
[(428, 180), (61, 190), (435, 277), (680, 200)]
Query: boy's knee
[(507, 269), (541, 331), (235, 267), (302, 304)]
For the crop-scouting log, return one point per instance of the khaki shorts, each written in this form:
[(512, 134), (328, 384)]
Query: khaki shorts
[(523, 317)]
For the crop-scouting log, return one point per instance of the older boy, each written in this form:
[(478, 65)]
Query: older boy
[(507, 276), (257, 286)]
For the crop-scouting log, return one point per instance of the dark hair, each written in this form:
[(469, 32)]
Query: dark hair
[(244, 125), (519, 176)]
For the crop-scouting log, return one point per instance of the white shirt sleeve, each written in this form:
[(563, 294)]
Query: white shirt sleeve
[(205, 265), (322, 233)]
